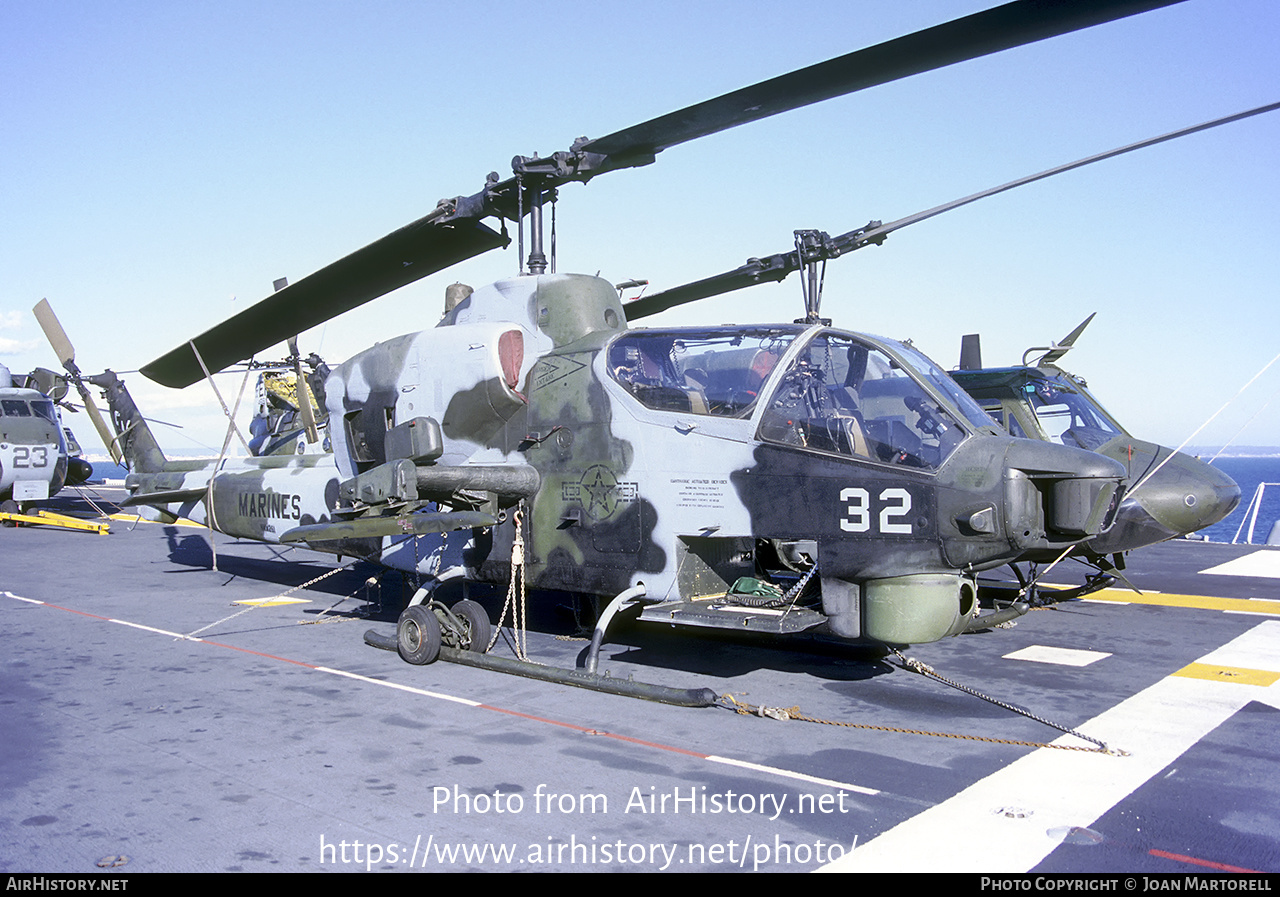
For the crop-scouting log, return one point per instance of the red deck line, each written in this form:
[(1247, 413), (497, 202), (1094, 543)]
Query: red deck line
[(1208, 864)]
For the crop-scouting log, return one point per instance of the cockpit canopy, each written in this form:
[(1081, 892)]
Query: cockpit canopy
[(1034, 404), (816, 389), (700, 372)]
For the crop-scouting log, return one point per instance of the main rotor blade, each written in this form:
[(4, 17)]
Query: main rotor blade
[(66, 353), (774, 268), (400, 258), (56, 336), (980, 34), (429, 245), (886, 229)]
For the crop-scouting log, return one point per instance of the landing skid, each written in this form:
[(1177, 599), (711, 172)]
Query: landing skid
[(690, 697)]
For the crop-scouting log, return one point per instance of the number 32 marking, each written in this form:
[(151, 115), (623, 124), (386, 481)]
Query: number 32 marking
[(857, 510)]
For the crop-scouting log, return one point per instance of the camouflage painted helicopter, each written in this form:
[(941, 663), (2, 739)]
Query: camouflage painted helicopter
[(1168, 493), (533, 429)]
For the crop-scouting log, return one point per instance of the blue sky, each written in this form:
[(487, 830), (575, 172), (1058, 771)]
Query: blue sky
[(165, 162)]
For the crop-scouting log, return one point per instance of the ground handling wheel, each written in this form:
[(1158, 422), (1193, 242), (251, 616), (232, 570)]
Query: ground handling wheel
[(418, 635), (475, 620)]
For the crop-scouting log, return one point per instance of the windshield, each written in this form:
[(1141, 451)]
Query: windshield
[(1069, 416), (847, 396), (44, 408), (941, 381)]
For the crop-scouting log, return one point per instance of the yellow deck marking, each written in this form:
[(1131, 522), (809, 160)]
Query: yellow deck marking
[(272, 602), (1238, 675), (137, 518), (1204, 602)]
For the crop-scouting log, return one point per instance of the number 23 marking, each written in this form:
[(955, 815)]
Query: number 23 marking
[(857, 510), (26, 457)]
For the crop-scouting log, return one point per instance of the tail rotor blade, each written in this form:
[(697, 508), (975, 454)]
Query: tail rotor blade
[(303, 390)]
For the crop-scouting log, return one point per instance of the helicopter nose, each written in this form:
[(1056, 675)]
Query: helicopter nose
[(1177, 492), (1077, 487)]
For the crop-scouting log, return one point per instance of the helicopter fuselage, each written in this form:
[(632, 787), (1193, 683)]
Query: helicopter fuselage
[(678, 459)]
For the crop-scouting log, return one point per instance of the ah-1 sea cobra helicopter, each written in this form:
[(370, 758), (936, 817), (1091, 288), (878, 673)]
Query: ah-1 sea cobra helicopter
[(532, 428), (1167, 493)]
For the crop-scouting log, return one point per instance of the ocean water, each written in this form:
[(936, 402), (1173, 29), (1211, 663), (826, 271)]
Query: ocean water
[(1247, 471)]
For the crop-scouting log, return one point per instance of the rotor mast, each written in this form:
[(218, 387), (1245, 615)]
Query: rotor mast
[(536, 180), (813, 248)]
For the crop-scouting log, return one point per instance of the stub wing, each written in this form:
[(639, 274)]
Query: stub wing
[(165, 497), (377, 527)]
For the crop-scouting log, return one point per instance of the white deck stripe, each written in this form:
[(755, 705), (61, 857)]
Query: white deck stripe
[(1257, 649), (1070, 657), (20, 598), (1062, 789), (788, 774), (1264, 563), (177, 635), (441, 696)]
